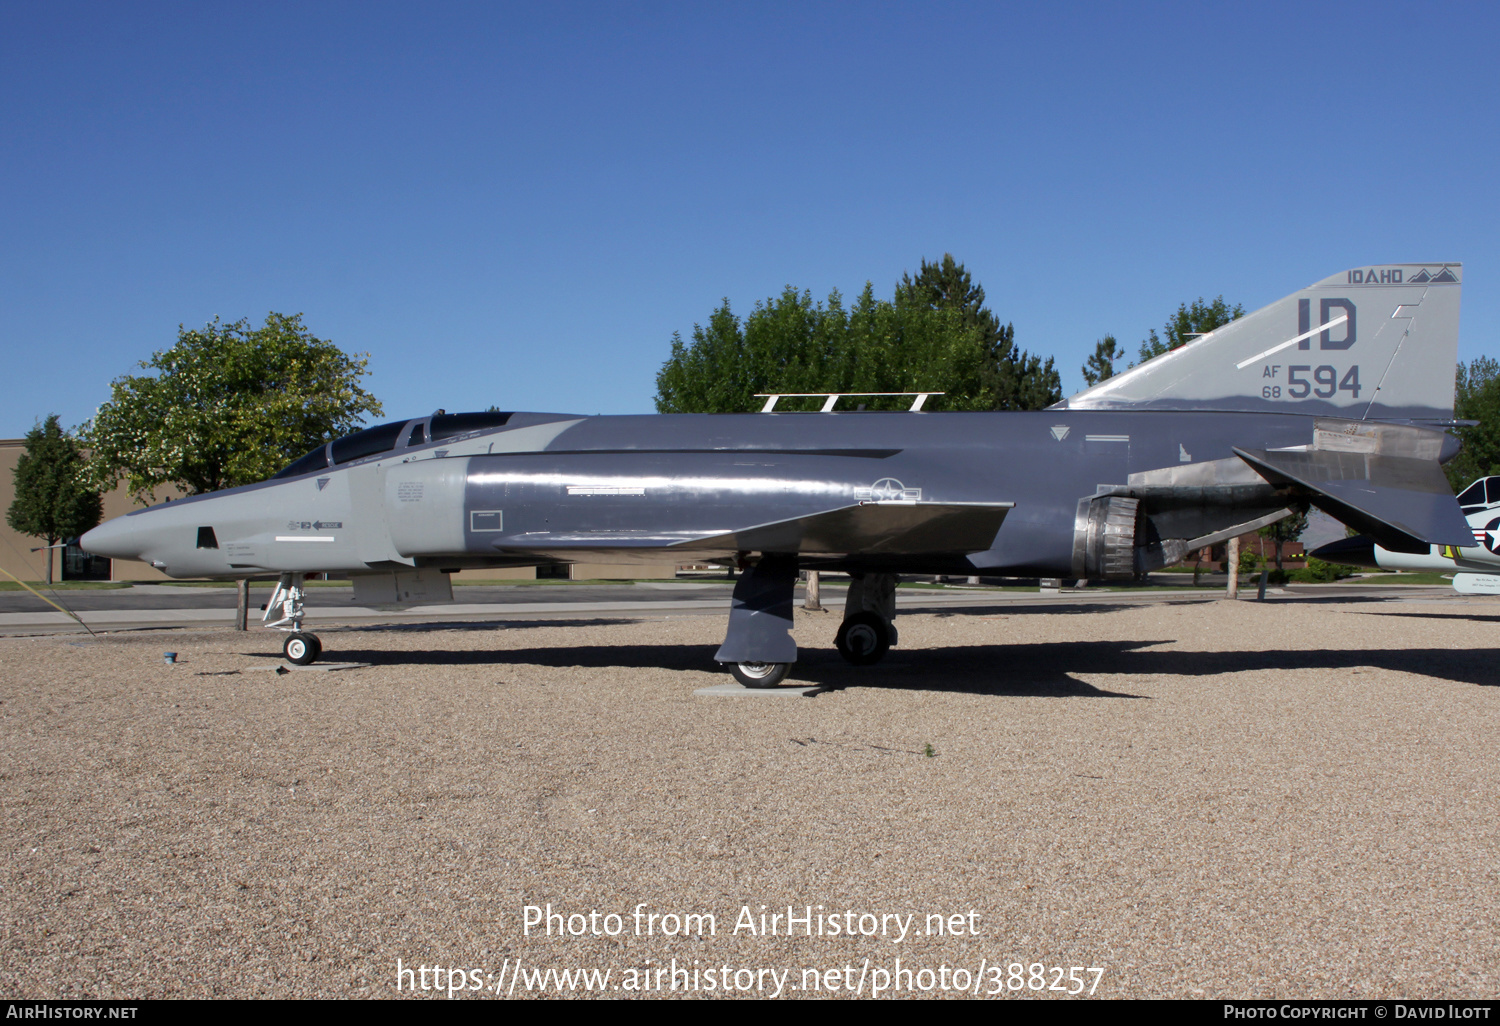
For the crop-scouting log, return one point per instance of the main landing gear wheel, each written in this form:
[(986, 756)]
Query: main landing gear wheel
[(302, 649), (760, 675), (863, 639)]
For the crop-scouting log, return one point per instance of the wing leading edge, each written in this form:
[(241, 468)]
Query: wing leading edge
[(884, 528)]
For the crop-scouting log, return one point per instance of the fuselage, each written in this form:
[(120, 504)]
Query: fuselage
[(552, 487)]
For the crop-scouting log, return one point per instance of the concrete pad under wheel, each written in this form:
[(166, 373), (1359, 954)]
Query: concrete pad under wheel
[(315, 667), (734, 688)]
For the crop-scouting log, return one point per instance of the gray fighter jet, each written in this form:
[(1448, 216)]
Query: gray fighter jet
[(1336, 396)]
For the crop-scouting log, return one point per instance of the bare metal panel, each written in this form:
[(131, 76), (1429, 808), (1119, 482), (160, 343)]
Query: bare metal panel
[(424, 506), (402, 588)]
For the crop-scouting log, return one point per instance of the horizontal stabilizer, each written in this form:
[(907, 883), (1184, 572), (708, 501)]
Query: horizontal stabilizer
[(891, 528), (1404, 503)]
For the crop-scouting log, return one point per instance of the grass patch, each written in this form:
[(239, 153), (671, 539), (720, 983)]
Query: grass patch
[(1417, 577)]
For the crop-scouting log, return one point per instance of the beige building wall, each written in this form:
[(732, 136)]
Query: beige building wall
[(621, 571), (522, 573), (16, 558), (15, 555)]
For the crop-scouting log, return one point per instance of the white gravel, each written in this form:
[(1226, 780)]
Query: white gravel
[(1204, 799)]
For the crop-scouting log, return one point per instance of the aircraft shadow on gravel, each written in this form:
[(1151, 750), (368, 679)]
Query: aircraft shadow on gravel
[(1463, 617), (1046, 669)]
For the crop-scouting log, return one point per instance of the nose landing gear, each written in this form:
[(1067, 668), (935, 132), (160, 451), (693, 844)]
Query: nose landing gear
[(300, 647)]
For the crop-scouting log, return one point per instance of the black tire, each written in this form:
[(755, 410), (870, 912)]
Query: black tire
[(863, 639), (760, 675), (302, 649)]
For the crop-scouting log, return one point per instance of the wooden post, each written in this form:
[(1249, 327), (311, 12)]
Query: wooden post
[(242, 607), (1232, 564), (814, 598)]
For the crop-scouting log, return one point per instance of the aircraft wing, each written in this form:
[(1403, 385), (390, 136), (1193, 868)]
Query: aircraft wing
[(881, 527), (888, 528)]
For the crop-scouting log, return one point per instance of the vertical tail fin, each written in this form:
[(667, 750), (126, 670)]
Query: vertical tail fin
[(1374, 343)]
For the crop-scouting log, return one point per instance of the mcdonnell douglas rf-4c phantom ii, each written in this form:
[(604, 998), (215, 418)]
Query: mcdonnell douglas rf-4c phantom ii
[(1336, 396)]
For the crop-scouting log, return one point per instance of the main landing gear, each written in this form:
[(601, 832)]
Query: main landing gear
[(868, 630), (863, 639), (300, 647), (759, 647), (760, 675)]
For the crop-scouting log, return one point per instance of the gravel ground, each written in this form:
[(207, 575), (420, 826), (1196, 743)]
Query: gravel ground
[(1203, 799)]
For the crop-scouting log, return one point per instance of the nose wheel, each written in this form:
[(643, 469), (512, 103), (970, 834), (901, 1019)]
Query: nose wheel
[(301, 649)]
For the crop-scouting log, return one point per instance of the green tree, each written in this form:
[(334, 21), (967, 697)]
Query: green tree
[(1101, 365), (1476, 397), (53, 499), (1189, 322), (1287, 529), (1013, 378), (935, 334), (227, 405)]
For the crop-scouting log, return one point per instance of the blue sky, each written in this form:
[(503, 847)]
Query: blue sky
[(518, 205)]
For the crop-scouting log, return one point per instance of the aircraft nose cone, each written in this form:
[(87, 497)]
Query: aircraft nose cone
[(113, 538)]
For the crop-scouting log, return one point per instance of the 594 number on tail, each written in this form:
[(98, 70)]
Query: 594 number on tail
[(1305, 381)]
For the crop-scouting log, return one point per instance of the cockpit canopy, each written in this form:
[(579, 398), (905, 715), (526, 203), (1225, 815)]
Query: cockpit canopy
[(1480, 495), (383, 438)]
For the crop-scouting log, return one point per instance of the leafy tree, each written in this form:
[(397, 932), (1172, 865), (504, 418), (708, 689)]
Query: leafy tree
[(1287, 529), (1476, 397), (227, 405), (1189, 322), (53, 499), (1101, 365), (1015, 379), (935, 334)]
